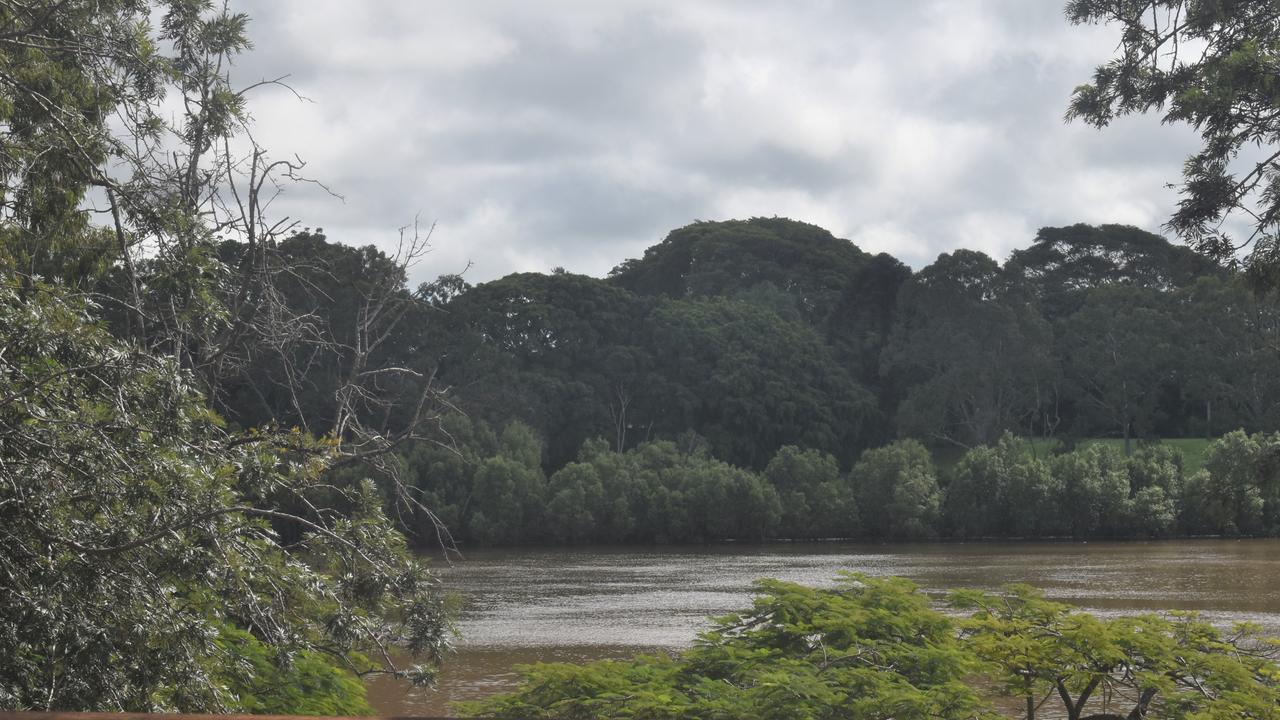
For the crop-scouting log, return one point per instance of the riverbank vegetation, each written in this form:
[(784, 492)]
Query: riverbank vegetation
[(677, 491), (877, 647)]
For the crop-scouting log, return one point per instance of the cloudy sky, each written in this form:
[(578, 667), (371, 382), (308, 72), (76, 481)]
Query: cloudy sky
[(576, 134)]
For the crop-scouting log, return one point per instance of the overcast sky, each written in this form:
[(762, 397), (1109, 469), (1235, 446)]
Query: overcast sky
[(577, 134)]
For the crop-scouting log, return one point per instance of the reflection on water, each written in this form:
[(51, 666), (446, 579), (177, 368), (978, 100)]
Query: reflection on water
[(545, 605)]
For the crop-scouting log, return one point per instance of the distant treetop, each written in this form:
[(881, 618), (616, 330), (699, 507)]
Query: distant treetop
[(726, 258)]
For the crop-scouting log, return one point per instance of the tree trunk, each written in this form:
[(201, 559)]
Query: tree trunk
[(1208, 419)]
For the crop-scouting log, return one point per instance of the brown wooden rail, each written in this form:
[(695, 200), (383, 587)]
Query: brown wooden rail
[(179, 716), (182, 716)]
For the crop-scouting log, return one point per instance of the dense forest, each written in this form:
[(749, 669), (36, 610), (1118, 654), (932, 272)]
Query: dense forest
[(762, 378)]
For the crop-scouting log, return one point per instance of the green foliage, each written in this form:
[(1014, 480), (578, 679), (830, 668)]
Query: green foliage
[(666, 492), (817, 502), (898, 491), (750, 382), (309, 683), (63, 73), (1143, 666), (332, 290), (563, 353), (868, 648), (980, 488), (508, 490), (968, 353), (1091, 492), (137, 531), (1062, 265), (1239, 490), (577, 358), (722, 259), (152, 555), (1225, 89), (1095, 491), (1187, 453), (1122, 352), (741, 332), (876, 648)]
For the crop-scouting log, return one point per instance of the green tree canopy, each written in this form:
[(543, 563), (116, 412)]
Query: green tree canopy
[(970, 357), (870, 647), (897, 491), (750, 382), (154, 554), (1125, 667), (722, 259), (1063, 263)]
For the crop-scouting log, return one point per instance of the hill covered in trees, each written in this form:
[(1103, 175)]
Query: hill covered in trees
[(763, 378), (767, 332)]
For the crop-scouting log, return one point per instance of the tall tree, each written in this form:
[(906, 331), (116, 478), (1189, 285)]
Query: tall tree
[(968, 352), (564, 353), (1122, 348), (1231, 344), (1063, 263)]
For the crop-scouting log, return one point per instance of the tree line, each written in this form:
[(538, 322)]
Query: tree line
[(494, 491)]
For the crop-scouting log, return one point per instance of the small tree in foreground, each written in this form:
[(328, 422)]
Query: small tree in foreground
[(1126, 668), (867, 648)]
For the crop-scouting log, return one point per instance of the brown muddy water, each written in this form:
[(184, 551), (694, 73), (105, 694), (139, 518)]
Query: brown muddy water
[(578, 604)]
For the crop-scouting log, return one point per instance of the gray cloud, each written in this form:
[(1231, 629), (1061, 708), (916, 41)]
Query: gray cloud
[(579, 133)]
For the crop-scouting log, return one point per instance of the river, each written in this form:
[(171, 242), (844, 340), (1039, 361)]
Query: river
[(574, 604)]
